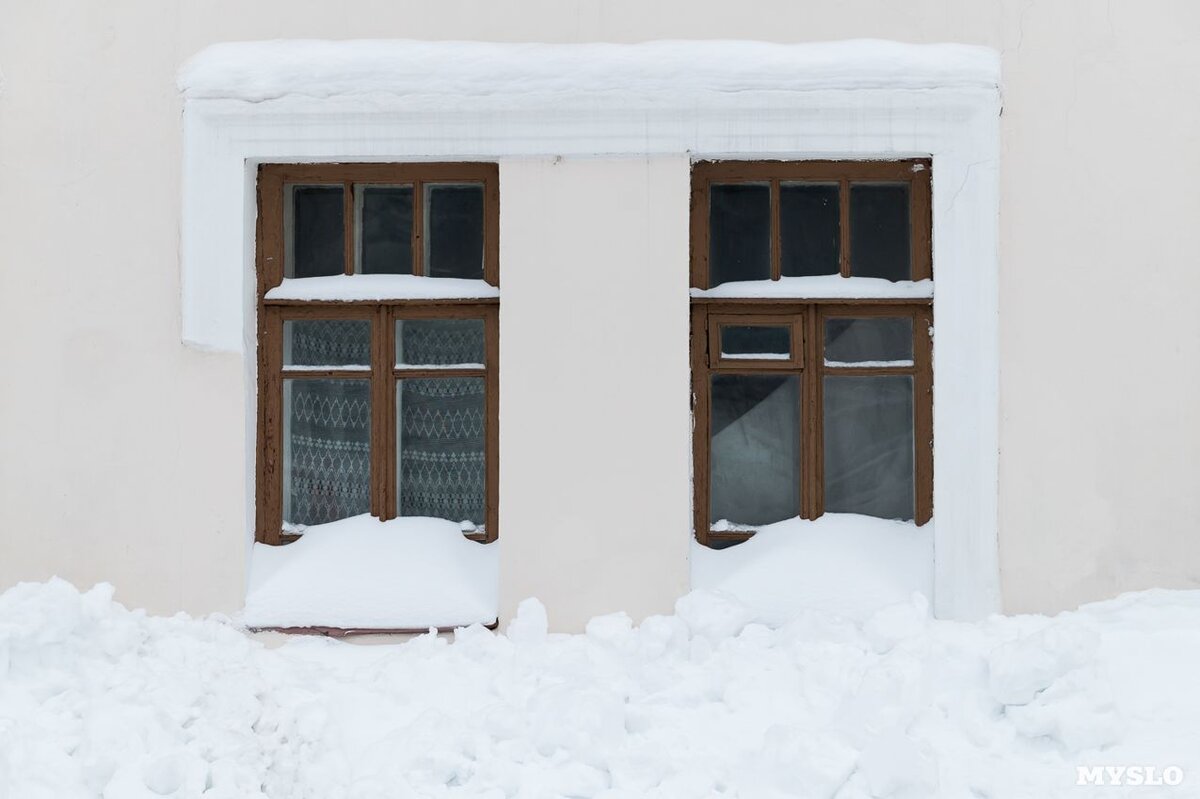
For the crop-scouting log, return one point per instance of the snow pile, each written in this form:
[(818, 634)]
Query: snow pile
[(841, 563), (823, 287), (258, 71), (361, 573), (381, 287), (96, 700)]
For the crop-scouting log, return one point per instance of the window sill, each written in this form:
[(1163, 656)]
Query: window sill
[(821, 287)]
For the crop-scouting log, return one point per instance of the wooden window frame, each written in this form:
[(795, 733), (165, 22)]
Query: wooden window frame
[(808, 316), (383, 314)]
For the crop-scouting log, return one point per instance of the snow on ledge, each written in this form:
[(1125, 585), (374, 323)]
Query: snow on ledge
[(266, 70), (381, 287), (821, 287), (841, 563), (361, 573)]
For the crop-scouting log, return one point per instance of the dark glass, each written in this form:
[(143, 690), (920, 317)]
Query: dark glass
[(880, 231), (756, 342), (326, 450), (810, 229), (316, 245), (868, 340), (440, 448), (327, 342), (385, 237), (754, 454), (739, 232), (439, 342), (454, 231), (869, 445)]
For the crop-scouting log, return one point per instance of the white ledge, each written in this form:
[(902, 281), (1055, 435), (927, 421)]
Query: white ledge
[(259, 71), (348, 288), (821, 287)]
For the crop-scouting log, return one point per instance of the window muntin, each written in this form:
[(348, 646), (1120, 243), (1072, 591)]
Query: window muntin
[(839, 420), (388, 407)]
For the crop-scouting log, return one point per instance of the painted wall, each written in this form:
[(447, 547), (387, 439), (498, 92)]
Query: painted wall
[(121, 452)]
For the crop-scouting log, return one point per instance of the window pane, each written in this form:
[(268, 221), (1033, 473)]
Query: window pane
[(869, 445), (439, 342), (454, 230), (326, 450), (336, 343), (739, 232), (755, 451), (440, 448), (875, 341), (385, 219), (756, 342), (879, 231), (810, 228), (315, 240)]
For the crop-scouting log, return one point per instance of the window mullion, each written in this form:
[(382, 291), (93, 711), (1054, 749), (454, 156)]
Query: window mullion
[(418, 228), (381, 433)]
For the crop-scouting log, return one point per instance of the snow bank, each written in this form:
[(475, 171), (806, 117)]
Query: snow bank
[(258, 71), (361, 573), (96, 700), (381, 287), (842, 563), (822, 287)]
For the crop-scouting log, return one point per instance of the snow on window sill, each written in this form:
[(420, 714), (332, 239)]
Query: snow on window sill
[(832, 287), (361, 573), (841, 563), (374, 288)]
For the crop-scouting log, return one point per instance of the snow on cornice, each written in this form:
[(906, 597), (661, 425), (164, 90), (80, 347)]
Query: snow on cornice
[(267, 70)]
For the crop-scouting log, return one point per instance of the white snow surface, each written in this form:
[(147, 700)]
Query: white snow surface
[(821, 287), (361, 573), (381, 287), (841, 563), (100, 701), (266, 70)]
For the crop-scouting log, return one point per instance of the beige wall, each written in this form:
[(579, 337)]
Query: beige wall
[(121, 452)]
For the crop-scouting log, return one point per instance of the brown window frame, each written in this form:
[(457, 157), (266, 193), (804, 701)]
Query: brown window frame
[(808, 316), (383, 314)]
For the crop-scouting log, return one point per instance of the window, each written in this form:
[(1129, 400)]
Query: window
[(386, 402), (810, 402)]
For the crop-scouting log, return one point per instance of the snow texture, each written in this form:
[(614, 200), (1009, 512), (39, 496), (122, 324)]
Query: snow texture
[(381, 287), (100, 701), (841, 563), (822, 287), (361, 573), (266, 70)]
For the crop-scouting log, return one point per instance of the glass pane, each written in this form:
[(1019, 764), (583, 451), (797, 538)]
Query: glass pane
[(314, 232), (878, 341), (440, 448), (440, 343), (454, 230), (326, 450), (756, 342), (755, 450), (879, 231), (869, 445), (385, 219), (739, 232), (810, 229), (327, 343)]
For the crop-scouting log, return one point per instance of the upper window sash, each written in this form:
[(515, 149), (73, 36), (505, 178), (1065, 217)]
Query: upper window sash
[(767, 220)]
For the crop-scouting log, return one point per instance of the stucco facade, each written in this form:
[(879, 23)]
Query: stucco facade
[(124, 452)]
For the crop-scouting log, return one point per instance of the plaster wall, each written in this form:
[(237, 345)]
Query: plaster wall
[(122, 451)]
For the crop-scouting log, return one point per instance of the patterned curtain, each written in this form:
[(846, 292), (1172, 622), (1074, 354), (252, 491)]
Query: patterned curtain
[(442, 423)]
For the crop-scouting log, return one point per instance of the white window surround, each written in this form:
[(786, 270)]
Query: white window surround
[(249, 103)]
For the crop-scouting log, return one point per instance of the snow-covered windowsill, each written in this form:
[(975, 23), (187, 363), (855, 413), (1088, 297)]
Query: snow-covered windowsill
[(832, 287), (377, 288), (364, 574)]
